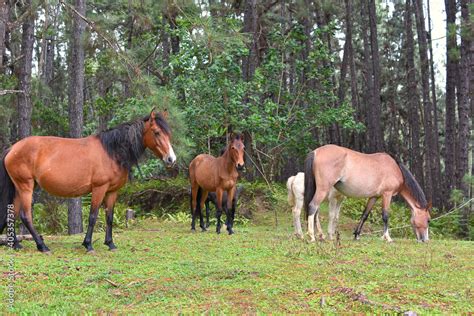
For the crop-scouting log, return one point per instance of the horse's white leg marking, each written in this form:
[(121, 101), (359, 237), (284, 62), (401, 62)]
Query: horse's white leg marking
[(386, 236)]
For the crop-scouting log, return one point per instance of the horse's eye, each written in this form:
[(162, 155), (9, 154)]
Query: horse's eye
[(157, 133)]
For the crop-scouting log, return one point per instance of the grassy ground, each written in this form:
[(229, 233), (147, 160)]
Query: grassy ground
[(162, 267)]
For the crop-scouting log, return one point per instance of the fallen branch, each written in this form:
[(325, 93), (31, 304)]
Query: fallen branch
[(4, 238)]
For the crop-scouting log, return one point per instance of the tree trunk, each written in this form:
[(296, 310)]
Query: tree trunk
[(450, 136), (436, 174), (4, 13), (412, 97), (463, 113), (350, 56), (24, 73), (375, 128), (431, 165), (76, 102), (249, 63), (368, 81)]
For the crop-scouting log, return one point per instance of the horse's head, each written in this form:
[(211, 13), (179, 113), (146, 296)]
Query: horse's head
[(420, 220), (157, 137), (237, 150)]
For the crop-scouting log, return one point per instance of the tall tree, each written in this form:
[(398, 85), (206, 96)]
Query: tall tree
[(24, 72), (352, 69), (450, 127), (413, 103), (432, 164), (250, 63), (463, 111), (375, 127), (4, 13), (76, 100), (437, 183)]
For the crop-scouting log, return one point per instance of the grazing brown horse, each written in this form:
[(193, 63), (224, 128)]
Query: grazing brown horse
[(332, 172), (211, 174), (68, 167)]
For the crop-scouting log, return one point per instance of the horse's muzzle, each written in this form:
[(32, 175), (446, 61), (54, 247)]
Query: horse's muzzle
[(240, 167)]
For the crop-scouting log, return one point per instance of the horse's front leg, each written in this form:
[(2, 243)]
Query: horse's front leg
[(386, 199), (109, 218), (219, 193), (207, 213), (368, 208), (230, 210), (97, 197)]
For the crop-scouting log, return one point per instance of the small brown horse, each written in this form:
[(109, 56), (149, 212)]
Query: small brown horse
[(69, 167), (333, 172), (211, 174)]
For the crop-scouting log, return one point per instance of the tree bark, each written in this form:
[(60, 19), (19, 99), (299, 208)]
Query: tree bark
[(249, 63), (76, 102), (4, 13), (432, 166), (375, 128), (368, 80), (413, 103), (24, 73), (463, 113), (436, 174), (352, 69), (451, 64)]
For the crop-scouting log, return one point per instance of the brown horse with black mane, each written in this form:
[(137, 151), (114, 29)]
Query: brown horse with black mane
[(68, 167), (211, 174), (332, 172)]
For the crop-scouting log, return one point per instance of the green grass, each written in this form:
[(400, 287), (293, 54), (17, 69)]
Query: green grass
[(162, 267)]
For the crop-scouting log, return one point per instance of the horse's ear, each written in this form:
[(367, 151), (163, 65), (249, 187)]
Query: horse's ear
[(232, 136), (152, 115), (242, 138), (165, 114)]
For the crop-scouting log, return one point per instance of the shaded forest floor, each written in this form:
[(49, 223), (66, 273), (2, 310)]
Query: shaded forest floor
[(162, 267)]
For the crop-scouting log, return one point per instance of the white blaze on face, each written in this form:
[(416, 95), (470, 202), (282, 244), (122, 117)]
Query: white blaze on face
[(171, 157)]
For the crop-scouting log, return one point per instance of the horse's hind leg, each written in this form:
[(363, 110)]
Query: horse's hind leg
[(368, 208), (194, 202), (207, 213), (110, 199), (219, 193), (24, 196), (201, 207), (313, 210), (335, 201), (97, 197), (298, 205)]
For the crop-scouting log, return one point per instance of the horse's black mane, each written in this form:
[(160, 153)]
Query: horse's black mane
[(413, 186), (124, 143)]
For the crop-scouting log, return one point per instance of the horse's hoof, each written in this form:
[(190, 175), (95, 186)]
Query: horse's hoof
[(91, 252), (17, 246), (113, 249), (48, 252), (231, 232)]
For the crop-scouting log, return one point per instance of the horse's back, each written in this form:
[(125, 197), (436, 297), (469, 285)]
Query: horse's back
[(357, 174), (64, 167)]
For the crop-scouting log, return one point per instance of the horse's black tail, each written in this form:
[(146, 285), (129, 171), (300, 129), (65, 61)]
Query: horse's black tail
[(7, 192), (309, 181)]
